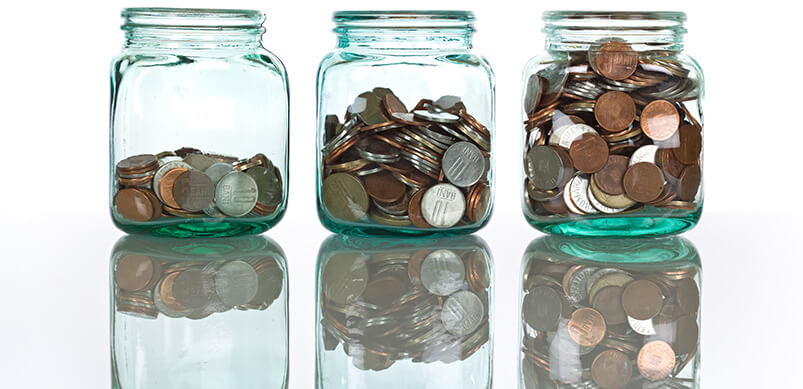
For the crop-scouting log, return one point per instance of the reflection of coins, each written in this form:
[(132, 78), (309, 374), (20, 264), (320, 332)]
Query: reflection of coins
[(642, 299), (611, 369), (587, 327), (270, 282), (615, 111), (462, 313), (135, 273), (542, 308), (384, 289), (656, 360), (443, 272), (193, 288), (165, 297), (236, 194), (236, 283), (344, 197), (608, 302), (443, 205), (193, 191), (344, 278)]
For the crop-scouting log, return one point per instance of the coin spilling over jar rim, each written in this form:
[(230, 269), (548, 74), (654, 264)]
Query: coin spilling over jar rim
[(613, 128)]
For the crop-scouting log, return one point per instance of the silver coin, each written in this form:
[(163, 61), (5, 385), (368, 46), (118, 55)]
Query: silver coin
[(437, 117), (447, 101), (567, 199), (643, 327), (236, 194), (168, 166), (593, 278), (463, 164), (371, 112), (577, 285), (564, 136), (544, 167), (236, 283), (443, 205), (600, 206), (443, 272), (269, 186), (213, 211), (578, 191), (217, 170), (462, 313), (643, 154), (199, 161)]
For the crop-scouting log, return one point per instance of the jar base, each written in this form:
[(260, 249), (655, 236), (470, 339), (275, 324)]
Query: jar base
[(369, 231), (620, 226), (199, 229)]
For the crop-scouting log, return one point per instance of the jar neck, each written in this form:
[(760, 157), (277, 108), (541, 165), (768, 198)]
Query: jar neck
[(184, 28), (644, 31), (405, 31)]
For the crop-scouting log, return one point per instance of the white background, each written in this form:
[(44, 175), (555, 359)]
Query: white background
[(56, 235)]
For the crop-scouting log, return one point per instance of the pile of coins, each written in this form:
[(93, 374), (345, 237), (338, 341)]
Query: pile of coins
[(147, 286), (609, 132), (423, 306), (424, 168), (190, 184), (607, 326)]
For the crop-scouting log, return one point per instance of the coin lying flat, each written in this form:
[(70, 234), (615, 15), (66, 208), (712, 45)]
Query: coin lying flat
[(545, 167), (642, 299), (462, 313), (443, 205), (344, 196)]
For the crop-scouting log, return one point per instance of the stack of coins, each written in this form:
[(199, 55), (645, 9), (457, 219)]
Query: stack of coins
[(423, 306), (611, 131), (190, 184), (608, 326), (423, 168), (146, 287)]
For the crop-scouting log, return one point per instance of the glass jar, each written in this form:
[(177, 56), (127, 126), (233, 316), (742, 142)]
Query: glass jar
[(200, 313), (605, 313), (411, 153), (613, 126), (414, 314), (199, 125)]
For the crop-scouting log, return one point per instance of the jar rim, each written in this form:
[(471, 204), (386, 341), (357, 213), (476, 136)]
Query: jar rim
[(672, 16), (402, 15), (192, 17)]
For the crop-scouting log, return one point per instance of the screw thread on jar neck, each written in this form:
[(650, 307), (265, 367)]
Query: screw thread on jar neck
[(192, 28), (581, 30), (404, 30)]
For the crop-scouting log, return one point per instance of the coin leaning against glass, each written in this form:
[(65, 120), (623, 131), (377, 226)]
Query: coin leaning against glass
[(443, 205), (463, 164), (236, 194)]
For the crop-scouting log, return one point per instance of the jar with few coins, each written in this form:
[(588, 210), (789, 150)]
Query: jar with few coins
[(199, 125), (610, 313), (404, 314), (405, 125), (613, 126), (185, 314)]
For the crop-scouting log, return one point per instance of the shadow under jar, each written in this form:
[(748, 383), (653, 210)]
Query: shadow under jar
[(405, 125), (199, 125), (613, 126), (610, 313)]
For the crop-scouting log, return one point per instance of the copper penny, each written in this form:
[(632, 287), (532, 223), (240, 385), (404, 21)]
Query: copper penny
[(155, 203), (686, 335), (414, 210), (689, 182), (384, 187), (137, 164), (166, 184), (659, 120), (611, 369), (656, 360), (642, 299), (643, 182), (687, 295), (134, 204), (608, 301), (393, 105), (556, 206), (589, 153), (135, 273), (587, 327), (609, 178), (193, 191), (414, 266), (616, 60), (615, 111), (691, 144), (667, 161)]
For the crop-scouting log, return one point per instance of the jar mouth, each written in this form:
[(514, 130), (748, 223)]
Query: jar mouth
[(613, 19), (440, 19), (192, 18)]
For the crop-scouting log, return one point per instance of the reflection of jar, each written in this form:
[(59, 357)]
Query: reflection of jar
[(613, 126), (199, 125), (187, 313), (405, 124), (610, 313), (388, 309)]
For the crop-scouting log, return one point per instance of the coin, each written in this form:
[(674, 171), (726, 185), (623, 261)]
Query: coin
[(463, 164), (610, 178), (236, 283), (462, 313), (689, 182), (161, 171), (686, 334), (615, 278), (611, 369), (691, 144), (608, 301), (437, 117), (641, 327), (610, 203), (443, 272), (392, 104), (688, 296), (616, 60), (659, 120), (546, 168), (577, 191), (135, 273), (443, 205), (134, 204), (656, 360), (414, 210), (236, 194), (269, 186), (575, 282), (165, 186), (193, 190), (643, 182), (345, 197), (615, 111), (137, 164), (542, 308), (566, 135), (642, 299), (193, 288), (199, 161), (384, 187), (644, 154), (589, 153), (217, 170), (344, 278), (384, 289), (587, 327), (165, 298)]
